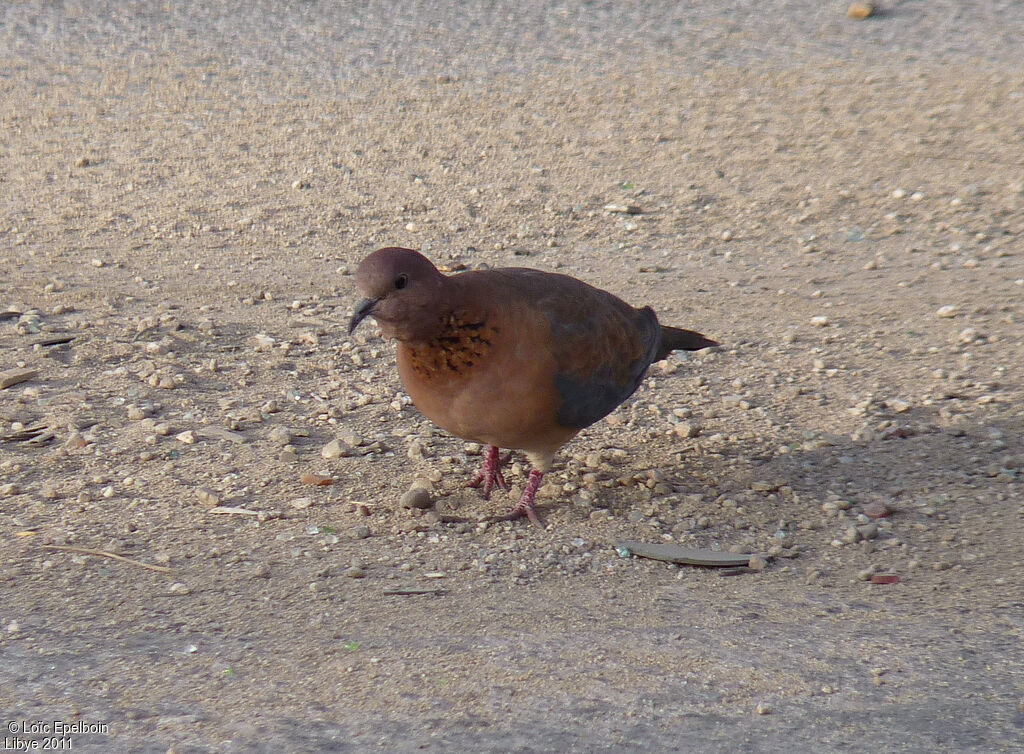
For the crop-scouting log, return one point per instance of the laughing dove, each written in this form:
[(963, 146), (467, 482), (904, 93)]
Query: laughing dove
[(511, 358)]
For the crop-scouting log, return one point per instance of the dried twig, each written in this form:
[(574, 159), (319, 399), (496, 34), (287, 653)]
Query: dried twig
[(56, 340), (108, 554), (232, 510), (682, 555)]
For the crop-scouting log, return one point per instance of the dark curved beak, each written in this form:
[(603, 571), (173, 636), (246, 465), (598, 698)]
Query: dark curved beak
[(364, 309)]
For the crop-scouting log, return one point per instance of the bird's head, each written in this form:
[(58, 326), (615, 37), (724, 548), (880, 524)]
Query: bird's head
[(403, 291)]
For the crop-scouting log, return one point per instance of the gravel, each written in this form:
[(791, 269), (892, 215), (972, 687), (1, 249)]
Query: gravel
[(809, 189)]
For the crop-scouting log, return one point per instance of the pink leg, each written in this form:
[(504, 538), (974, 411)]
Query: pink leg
[(490, 472), (525, 505)]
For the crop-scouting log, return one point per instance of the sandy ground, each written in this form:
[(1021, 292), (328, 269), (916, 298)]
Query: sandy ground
[(185, 190)]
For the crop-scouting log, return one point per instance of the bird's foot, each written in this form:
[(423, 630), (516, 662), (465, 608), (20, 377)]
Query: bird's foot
[(490, 475), (525, 505)]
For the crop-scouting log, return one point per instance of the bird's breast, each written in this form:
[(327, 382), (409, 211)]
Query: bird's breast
[(462, 346), (480, 382)]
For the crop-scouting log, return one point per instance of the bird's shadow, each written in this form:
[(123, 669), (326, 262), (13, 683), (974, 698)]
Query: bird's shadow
[(910, 459)]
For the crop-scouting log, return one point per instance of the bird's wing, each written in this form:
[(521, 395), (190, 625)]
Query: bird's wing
[(601, 345)]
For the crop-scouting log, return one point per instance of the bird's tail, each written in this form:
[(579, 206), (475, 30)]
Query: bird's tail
[(678, 339)]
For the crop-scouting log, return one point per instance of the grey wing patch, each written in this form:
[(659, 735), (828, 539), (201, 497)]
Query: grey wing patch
[(591, 394), (587, 400)]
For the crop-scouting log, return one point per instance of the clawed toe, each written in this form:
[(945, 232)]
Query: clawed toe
[(490, 475), (529, 513)]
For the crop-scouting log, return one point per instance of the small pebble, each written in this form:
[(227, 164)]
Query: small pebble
[(685, 430), (967, 336), (188, 437), (351, 439), (947, 312), (819, 321), (763, 709), (898, 405), (260, 572), (11, 377), (354, 572), (877, 510), (416, 497), (858, 11), (207, 497), (263, 342), (335, 449), (623, 209), (885, 578), (415, 452), (867, 573), (280, 435), (301, 503), (316, 480), (137, 413), (361, 531)]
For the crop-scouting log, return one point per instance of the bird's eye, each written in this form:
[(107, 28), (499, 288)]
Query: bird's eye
[(401, 281)]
